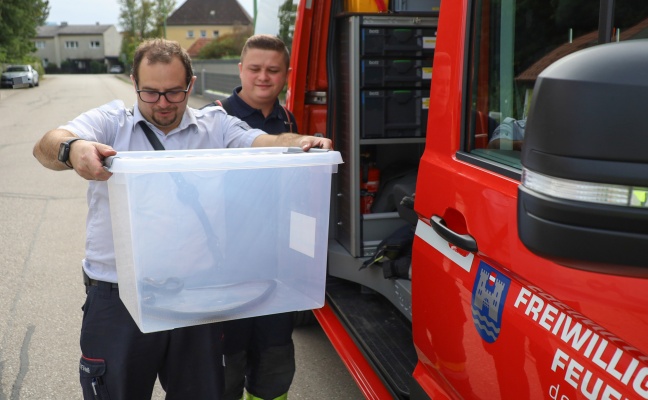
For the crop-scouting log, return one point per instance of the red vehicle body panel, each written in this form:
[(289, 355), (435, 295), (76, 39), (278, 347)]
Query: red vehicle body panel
[(562, 333), (369, 383), (308, 63), (483, 205)]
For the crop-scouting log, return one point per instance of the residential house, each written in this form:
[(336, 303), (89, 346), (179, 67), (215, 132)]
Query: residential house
[(194, 49), (78, 44), (206, 19)]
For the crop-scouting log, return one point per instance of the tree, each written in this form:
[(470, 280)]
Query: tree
[(161, 12), (229, 45), (19, 22), (128, 16), (286, 14), (142, 19)]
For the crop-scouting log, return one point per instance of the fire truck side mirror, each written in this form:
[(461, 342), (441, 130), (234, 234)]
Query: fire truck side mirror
[(583, 199)]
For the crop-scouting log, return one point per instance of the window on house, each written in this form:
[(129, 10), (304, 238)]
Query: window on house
[(71, 44), (95, 44), (203, 34), (190, 34), (39, 44), (215, 34)]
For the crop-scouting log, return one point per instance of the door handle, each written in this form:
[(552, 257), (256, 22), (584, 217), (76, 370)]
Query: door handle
[(465, 241)]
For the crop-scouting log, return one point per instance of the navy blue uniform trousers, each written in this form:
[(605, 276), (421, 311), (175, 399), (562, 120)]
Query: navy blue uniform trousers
[(120, 362)]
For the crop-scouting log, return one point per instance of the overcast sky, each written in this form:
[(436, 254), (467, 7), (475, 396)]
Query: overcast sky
[(106, 12)]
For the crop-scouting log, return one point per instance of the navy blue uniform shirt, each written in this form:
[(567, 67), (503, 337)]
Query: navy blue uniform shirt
[(279, 120)]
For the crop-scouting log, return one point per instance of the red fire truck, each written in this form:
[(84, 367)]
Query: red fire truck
[(489, 224)]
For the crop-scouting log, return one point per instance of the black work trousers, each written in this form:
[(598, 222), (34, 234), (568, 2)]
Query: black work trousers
[(259, 355), (119, 362)]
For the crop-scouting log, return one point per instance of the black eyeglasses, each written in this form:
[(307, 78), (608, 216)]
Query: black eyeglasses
[(172, 96)]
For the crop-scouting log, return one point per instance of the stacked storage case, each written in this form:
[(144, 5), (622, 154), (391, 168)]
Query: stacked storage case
[(415, 5), (384, 69), (396, 70)]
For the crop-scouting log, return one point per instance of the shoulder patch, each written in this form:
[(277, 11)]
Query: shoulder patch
[(244, 125), (206, 110)]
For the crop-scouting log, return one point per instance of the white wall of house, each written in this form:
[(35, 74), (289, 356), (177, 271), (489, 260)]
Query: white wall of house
[(96, 46), (47, 50), (113, 41), (82, 46)]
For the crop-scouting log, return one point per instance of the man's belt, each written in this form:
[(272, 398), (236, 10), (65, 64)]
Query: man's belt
[(87, 281)]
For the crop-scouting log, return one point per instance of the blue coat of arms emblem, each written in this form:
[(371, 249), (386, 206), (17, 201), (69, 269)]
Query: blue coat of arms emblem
[(488, 298)]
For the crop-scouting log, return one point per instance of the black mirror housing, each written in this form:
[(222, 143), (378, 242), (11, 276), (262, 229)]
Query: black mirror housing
[(587, 133)]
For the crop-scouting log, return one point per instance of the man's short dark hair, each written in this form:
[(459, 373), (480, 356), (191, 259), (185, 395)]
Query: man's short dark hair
[(266, 42), (164, 51)]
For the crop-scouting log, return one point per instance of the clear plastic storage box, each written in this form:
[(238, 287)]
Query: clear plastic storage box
[(212, 235)]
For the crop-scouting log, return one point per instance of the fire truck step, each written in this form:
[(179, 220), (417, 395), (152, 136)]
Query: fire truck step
[(381, 331)]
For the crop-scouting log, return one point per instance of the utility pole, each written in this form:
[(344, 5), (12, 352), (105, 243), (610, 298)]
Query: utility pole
[(164, 10), (254, 17)]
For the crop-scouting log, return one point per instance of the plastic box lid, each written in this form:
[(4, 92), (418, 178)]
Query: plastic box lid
[(215, 159)]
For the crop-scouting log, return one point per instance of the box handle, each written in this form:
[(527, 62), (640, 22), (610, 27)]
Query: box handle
[(293, 150)]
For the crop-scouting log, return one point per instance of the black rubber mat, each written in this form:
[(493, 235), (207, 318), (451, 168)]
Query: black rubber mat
[(384, 335)]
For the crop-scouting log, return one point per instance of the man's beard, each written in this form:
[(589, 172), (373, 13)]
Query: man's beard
[(168, 120)]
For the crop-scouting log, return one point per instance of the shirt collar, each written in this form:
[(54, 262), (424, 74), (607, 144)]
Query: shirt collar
[(188, 121)]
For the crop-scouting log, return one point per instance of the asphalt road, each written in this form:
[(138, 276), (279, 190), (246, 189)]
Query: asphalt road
[(42, 221)]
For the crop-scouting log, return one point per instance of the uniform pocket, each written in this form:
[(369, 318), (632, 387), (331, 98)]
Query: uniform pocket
[(90, 293), (91, 372)]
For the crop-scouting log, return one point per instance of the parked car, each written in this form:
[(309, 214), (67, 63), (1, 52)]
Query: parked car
[(16, 75), (116, 69)]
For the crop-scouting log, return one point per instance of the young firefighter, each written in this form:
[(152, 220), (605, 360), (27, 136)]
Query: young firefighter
[(118, 360), (259, 351)]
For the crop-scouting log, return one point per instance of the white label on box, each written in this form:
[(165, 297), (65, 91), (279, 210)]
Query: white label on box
[(427, 73), (302, 233), (429, 42)]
